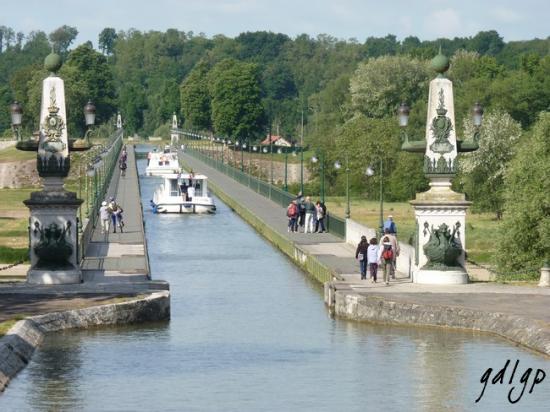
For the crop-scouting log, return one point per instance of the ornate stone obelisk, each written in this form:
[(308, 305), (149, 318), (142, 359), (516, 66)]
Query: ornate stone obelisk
[(53, 221), (118, 121), (440, 212)]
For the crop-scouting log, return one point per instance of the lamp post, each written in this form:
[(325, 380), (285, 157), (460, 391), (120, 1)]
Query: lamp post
[(89, 116), (338, 166), (286, 168), (16, 112), (302, 155), (321, 160), (370, 172)]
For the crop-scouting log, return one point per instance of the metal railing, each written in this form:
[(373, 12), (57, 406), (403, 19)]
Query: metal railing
[(334, 224), (100, 170)]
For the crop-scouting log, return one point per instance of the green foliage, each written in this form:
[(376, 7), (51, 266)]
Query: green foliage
[(482, 172), (107, 39), (526, 226), (195, 98), (235, 91), (13, 255), (380, 85), (62, 37)]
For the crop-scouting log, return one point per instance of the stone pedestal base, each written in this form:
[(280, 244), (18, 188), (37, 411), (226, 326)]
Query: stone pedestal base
[(545, 277), (54, 277), (440, 277)]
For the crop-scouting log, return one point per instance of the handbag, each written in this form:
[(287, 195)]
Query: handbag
[(360, 256)]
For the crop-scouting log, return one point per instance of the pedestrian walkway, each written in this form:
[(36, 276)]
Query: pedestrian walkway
[(121, 256), (528, 302)]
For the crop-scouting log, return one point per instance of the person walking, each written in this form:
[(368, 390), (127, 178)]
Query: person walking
[(309, 208), (321, 213), (361, 255), (395, 247), (292, 214), (390, 225), (385, 258), (112, 209), (372, 259), (301, 210), (122, 165), (105, 216)]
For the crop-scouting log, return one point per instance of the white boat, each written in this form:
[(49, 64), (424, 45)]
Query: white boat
[(183, 193), (161, 163)]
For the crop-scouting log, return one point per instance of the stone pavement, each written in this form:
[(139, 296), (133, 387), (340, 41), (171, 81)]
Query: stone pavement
[(525, 301)]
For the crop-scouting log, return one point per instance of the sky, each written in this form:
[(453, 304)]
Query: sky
[(344, 19)]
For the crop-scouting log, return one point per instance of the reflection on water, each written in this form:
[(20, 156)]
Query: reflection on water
[(249, 332)]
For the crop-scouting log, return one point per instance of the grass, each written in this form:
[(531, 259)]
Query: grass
[(11, 154), (8, 324), (481, 246)]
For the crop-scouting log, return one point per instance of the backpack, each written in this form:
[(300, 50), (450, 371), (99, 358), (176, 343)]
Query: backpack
[(291, 211), (324, 208), (387, 254)]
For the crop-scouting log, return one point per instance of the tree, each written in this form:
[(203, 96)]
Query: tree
[(486, 42), (87, 76), (195, 98), (482, 172), (107, 39), (524, 234), (236, 105), (62, 37), (379, 85)]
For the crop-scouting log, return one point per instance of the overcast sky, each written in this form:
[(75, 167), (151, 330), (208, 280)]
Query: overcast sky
[(426, 19)]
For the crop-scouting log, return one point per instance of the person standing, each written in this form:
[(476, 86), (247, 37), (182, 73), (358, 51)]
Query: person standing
[(309, 208), (361, 255), (372, 259), (301, 210), (321, 213), (292, 214), (395, 247), (385, 257), (105, 216), (190, 191), (390, 225)]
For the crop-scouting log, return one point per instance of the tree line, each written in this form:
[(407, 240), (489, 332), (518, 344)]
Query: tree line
[(347, 92)]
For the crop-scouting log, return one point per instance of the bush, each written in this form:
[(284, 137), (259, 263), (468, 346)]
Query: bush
[(13, 255), (525, 232)]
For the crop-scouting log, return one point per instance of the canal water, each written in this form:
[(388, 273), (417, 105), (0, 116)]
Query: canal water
[(250, 332)]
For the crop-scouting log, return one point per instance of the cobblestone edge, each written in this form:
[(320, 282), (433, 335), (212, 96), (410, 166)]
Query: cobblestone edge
[(20, 342)]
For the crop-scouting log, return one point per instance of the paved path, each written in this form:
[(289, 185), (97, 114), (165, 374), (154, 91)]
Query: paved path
[(527, 301), (120, 257)]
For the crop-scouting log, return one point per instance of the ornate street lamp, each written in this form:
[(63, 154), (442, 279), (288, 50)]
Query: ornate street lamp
[(16, 112), (338, 166), (89, 115), (321, 160), (369, 173)]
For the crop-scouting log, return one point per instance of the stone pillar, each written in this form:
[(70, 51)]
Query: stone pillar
[(545, 275), (118, 121), (440, 213), (53, 222)]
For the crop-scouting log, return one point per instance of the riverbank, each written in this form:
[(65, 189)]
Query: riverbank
[(20, 342), (516, 313)]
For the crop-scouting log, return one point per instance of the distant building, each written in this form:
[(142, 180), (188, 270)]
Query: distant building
[(276, 141)]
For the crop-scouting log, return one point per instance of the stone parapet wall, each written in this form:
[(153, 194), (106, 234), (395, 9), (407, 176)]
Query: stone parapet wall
[(19, 344), (346, 303)]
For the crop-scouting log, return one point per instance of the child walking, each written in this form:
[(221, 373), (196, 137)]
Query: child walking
[(386, 253), (372, 259)]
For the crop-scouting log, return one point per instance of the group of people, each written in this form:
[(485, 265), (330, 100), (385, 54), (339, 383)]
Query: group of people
[(374, 254), (110, 213), (306, 216), (122, 165)]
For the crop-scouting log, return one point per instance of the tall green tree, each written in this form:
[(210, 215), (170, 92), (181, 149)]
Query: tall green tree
[(107, 39), (237, 110), (524, 234), (482, 172), (195, 98), (62, 37)]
